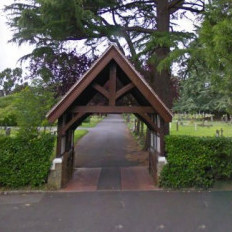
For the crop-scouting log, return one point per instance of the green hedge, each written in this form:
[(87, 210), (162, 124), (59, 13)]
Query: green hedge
[(25, 161), (196, 161)]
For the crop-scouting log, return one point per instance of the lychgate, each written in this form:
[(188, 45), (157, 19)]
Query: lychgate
[(112, 85)]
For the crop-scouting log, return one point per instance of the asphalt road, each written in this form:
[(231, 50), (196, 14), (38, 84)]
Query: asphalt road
[(117, 211)]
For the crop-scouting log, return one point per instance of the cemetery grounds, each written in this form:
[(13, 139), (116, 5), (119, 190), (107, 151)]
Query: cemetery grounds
[(200, 125)]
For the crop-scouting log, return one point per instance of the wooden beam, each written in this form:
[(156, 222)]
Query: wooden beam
[(149, 122), (124, 90), (144, 88), (101, 90), (59, 135), (113, 109), (72, 121), (112, 84)]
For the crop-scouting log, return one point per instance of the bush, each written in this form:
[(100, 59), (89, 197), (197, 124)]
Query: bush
[(196, 161), (25, 161)]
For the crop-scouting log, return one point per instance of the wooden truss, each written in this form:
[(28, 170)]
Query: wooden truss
[(112, 68)]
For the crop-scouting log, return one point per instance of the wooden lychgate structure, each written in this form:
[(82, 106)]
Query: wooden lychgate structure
[(112, 85)]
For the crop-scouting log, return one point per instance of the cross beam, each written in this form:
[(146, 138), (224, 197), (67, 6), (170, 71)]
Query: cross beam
[(71, 122), (113, 109), (124, 90), (145, 117), (102, 90)]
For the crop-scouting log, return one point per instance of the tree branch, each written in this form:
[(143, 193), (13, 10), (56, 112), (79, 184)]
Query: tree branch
[(128, 5)]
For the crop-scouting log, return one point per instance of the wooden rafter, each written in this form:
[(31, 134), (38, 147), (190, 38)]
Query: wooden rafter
[(101, 90), (113, 109), (124, 90), (149, 122), (72, 121)]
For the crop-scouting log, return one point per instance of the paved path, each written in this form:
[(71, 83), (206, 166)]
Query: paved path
[(148, 211), (108, 158), (109, 144)]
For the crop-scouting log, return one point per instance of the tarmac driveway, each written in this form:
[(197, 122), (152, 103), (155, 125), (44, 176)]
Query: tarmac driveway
[(107, 211)]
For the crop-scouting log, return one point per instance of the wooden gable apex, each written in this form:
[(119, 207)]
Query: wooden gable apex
[(112, 53)]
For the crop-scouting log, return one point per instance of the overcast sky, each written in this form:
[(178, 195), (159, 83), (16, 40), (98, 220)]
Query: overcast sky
[(10, 52)]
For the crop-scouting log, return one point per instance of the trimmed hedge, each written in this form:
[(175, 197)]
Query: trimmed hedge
[(25, 161), (196, 161)]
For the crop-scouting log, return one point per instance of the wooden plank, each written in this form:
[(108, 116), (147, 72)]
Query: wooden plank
[(72, 121), (124, 90), (149, 122), (113, 109), (112, 83), (102, 90)]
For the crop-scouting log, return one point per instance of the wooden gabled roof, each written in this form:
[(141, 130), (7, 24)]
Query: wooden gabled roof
[(112, 53)]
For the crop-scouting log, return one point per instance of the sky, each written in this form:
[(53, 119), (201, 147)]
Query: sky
[(10, 53)]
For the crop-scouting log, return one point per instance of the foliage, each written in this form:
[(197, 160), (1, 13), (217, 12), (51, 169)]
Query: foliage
[(207, 84), (196, 161), (31, 106), (25, 161), (215, 37), (58, 68), (198, 93), (7, 111), (91, 121), (54, 23), (10, 79)]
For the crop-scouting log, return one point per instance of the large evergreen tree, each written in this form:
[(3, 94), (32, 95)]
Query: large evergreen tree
[(129, 24), (215, 38), (208, 60)]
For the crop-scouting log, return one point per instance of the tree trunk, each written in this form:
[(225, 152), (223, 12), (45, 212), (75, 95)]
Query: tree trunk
[(161, 82)]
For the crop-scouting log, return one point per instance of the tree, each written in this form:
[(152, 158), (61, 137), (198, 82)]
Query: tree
[(59, 70), (216, 42), (31, 105), (207, 62), (9, 79), (129, 24), (199, 94), (7, 111)]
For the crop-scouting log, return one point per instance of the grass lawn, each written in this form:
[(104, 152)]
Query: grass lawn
[(189, 128), (94, 120), (78, 134)]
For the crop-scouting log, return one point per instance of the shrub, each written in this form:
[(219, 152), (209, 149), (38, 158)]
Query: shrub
[(196, 161), (25, 161)]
